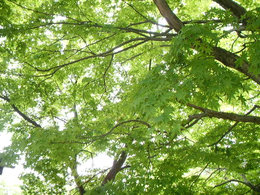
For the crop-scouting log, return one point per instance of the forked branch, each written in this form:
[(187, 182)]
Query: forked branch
[(227, 58), (226, 115)]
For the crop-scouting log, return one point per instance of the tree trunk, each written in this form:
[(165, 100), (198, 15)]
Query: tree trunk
[(117, 165), (77, 179)]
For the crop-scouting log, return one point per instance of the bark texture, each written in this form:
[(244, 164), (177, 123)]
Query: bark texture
[(226, 115), (225, 57), (234, 7), (229, 59), (167, 13), (117, 166)]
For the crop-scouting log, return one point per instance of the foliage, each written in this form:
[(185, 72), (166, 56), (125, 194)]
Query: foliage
[(175, 103), (34, 185)]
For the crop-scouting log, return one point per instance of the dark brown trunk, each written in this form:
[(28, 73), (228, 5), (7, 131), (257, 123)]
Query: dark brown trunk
[(117, 165)]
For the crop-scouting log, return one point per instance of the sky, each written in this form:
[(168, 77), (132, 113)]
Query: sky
[(9, 181)]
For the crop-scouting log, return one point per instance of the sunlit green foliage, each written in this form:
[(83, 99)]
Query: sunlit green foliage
[(79, 78)]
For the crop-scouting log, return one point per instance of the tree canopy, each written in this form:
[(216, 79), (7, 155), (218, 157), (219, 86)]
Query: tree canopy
[(169, 89)]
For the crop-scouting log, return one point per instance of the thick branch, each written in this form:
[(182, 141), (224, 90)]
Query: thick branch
[(173, 21), (117, 166), (225, 115), (77, 179), (233, 126), (24, 116), (192, 120), (256, 188), (2, 168), (234, 7), (229, 59), (202, 21)]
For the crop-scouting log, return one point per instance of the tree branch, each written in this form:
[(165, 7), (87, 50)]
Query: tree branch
[(187, 124), (122, 123), (202, 21), (227, 116), (24, 116), (76, 176), (173, 21), (198, 176), (254, 188), (117, 166), (95, 25), (234, 7), (227, 58), (233, 126), (105, 73), (95, 175), (109, 52)]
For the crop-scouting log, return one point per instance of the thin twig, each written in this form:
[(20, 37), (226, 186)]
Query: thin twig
[(199, 175), (105, 73), (116, 126)]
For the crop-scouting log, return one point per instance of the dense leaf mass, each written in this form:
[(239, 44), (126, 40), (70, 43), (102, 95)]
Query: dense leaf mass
[(169, 89)]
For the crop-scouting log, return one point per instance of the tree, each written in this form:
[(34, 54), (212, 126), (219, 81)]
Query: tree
[(176, 103)]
